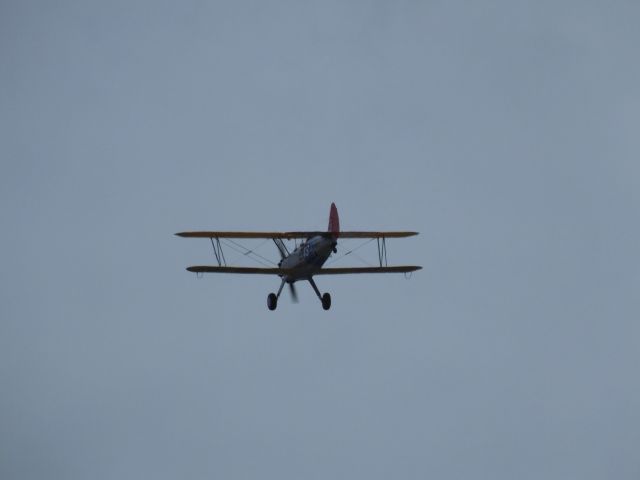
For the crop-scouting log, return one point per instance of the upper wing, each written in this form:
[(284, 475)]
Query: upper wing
[(360, 234), (248, 234), (345, 270), (289, 235)]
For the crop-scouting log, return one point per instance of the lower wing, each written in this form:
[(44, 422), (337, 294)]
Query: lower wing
[(347, 270), (285, 271), (250, 270)]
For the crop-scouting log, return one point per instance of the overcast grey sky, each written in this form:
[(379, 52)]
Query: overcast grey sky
[(506, 132)]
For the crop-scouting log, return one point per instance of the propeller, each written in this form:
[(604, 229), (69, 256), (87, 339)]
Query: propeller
[(282, 249), (294, 294)]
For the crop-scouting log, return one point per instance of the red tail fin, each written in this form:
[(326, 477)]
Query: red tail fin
[(334, 221)]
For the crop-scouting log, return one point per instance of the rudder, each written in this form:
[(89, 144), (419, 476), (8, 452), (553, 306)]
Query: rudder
[(334, 220)]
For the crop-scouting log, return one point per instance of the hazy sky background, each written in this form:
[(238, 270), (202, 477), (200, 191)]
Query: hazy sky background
[(506, 132)]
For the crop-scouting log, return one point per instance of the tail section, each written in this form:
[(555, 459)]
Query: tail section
[(334, 221)]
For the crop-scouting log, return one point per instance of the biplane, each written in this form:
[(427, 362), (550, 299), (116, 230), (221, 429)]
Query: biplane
[(306, 260)]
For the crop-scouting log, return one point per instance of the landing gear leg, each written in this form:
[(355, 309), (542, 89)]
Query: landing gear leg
[(272, 298), (325, 299)]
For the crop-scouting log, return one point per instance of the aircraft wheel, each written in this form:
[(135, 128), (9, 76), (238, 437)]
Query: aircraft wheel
[(272, 301), (326, 301)]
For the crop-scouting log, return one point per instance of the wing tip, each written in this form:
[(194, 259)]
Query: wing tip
[(408, 268)]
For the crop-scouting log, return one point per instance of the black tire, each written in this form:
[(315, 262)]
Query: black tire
[(326, 301), (272, 301)]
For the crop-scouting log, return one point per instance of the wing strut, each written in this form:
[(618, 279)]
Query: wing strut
[(217, 251), (282, 248), (382, 251)]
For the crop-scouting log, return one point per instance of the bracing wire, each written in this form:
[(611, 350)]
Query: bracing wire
[(247, 252), (333, 260)]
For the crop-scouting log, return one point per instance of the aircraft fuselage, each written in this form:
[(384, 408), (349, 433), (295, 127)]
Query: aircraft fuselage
[(308, 258)]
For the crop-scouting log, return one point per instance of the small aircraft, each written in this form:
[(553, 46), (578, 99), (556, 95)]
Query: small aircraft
[(306, 260)]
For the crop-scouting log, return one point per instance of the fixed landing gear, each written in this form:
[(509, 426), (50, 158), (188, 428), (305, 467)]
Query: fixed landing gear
[(325, 299), (272, 298), (272, 301)]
